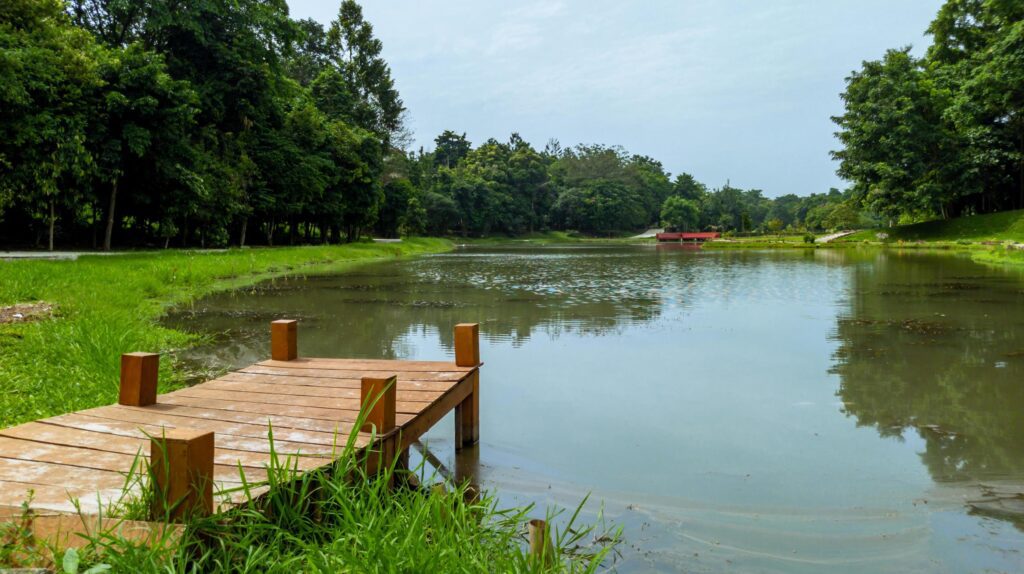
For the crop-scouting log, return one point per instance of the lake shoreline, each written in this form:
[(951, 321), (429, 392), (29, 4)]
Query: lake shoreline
[(105, 306)]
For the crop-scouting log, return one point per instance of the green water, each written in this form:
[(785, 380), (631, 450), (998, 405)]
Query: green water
[(808, 411)]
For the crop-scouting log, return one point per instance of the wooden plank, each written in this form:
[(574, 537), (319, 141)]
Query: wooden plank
[(57, 498), (61, 531), (403, 404), (132, 445), (313, 431), (429, 417), (330, 383), (312, 386), (427, 376), (50, 474), (327, 417), (75, 459), (365, 365), (231, 442)]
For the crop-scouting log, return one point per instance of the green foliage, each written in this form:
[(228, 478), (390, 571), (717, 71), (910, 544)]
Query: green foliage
[(219, 121), (678, 213), (941, 136)]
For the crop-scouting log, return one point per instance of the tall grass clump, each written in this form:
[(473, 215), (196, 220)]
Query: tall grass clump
[(106, 306)]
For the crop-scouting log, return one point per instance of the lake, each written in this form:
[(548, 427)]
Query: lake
[(796, 411)]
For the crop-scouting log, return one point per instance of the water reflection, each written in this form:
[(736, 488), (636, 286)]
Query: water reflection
[(727, 406), (934, 346)]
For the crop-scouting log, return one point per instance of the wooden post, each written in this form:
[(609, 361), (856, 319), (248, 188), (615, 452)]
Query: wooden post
[(382, 415), (139, 373), (284, 340), (380, 418), (540, 542), (182, 470), (467, 344), (467, 413)]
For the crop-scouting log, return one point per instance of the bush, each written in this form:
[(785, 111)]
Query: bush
[(809, 238)]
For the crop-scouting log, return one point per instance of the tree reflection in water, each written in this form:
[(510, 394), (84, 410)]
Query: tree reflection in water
[(910, 360)]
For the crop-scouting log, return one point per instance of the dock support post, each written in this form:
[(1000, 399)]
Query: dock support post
[(139, 373), (467, 413), (381, 418), (540, 541), (181, 461), (284, 340)]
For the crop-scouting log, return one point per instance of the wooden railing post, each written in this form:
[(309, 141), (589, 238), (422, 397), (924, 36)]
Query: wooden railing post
[(467, 344), (284, 340), (467, 413), (381, 416), (139, 373), (182, 470)]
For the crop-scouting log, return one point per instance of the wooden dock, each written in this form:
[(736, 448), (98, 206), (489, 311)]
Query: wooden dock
[(197, 438)]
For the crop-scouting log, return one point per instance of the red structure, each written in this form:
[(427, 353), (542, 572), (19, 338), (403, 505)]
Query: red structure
[(687, 236)]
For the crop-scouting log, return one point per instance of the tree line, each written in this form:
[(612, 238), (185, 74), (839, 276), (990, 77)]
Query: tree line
[(202, 122), (942, 135), (226, 122), (512, 188)]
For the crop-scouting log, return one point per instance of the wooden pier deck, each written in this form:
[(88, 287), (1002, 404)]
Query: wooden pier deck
[(206, 432)]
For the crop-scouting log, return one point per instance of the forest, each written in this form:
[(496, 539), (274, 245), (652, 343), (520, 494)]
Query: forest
[(186, 123), (942, 135)]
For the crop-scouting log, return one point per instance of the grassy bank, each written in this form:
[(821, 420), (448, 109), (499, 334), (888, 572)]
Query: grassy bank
[(106, 306), (548, 238), (1003, 226)]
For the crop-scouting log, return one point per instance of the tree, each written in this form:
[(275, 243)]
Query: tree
[(898, 149), (357, 56), (141, 109), (450, 148), (48, 75), (680, 214)]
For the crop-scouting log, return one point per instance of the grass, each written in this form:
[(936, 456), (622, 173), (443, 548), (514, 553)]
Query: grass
[(1003, 226), (106, 306), (761, 242), (547, 238)]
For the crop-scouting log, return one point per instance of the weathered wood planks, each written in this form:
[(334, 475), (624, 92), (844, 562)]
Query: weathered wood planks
[(219, 428)]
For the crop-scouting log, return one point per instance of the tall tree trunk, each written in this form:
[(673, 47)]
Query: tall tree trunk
[(53, 219), (270, 233), (245, 226), (110, 216), (167, 242)]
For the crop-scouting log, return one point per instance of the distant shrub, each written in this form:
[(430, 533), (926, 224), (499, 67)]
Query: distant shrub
[(809, 238), (882, 236)]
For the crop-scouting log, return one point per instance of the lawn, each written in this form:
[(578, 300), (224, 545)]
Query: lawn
[(105, 306), (1003, 226)]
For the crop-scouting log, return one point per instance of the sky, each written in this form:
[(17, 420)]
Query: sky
[(727, 90)]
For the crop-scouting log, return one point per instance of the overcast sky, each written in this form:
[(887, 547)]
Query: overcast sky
[(738, 90)]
